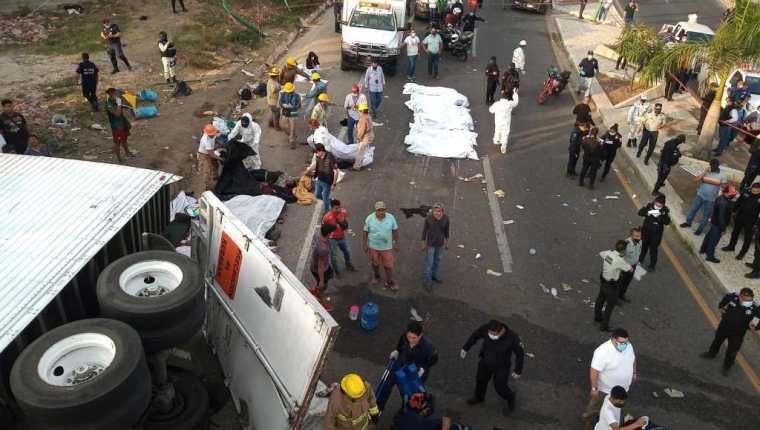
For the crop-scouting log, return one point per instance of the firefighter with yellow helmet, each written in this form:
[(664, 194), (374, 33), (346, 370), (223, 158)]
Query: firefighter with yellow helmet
[(352, 406)]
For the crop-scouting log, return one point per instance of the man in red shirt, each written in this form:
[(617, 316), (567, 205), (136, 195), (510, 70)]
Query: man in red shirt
[(338, 217)]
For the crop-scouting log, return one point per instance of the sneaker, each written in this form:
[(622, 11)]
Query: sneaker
[(685, 225), (712, 260), (437, 281), (697, 232), (414, 315), (114, 71), (748, 265), (503, 149), (727, 248)]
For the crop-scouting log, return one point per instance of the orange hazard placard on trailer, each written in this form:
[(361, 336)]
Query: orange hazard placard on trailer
[(228, 265)]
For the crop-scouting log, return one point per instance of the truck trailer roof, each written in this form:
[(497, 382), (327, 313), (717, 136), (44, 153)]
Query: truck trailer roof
[(56, 214)]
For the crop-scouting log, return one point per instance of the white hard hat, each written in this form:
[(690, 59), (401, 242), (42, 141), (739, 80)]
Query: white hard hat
[(523, 43)]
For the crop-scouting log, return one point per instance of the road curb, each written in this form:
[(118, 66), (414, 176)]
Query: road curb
[(283, 49)]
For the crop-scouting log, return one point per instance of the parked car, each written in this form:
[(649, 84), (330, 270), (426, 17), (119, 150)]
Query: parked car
[(539, 6)]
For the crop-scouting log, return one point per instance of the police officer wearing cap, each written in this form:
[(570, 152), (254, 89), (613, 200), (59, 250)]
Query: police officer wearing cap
[(747, 210), (499, 343), (739, 312), (656, 217), (613, 263)]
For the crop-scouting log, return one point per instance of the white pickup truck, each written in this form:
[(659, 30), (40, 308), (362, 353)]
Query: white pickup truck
[(373, 29), (91, 322)]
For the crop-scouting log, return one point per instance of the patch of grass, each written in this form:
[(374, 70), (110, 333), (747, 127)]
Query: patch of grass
[(73, 38)]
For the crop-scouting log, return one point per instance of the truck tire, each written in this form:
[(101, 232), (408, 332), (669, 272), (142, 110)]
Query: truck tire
[(87, 375), (179, 332), (190, 410), (150, 289)]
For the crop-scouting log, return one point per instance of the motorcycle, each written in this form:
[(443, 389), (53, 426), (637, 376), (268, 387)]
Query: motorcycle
[(554, 84), (457, 42)]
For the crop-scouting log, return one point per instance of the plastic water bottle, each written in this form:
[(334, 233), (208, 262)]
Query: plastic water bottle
[(369, 316), (353, 313)]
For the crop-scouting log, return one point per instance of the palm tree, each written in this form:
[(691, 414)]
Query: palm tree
[(637, 44), (736, 41)]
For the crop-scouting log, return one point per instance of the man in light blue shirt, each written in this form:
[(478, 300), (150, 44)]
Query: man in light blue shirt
[(374, 80), (381, 239), (711, 182), (432, 44)]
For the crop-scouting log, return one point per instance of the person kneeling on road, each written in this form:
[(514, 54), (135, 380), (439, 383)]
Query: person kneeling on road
[(609, 414), (416, 415)]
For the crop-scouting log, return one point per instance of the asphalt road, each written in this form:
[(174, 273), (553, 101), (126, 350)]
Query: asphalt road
[(566, 224)]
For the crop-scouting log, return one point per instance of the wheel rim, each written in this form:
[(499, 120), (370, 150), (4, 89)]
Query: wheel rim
[(76, 359), (150, 278)]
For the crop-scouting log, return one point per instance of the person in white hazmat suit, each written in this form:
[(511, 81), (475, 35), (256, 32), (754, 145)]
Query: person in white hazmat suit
[(635, 116), (518, 57), (250, 134), (502, 114)]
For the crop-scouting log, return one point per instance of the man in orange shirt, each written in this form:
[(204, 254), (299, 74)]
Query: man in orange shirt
[(338, 216)]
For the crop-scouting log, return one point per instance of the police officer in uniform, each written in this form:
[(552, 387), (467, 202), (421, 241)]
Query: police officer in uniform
[(668, 158), (656, 217), (88, 73), (499, 343), (613, 263), (747, 210), (574, 149), (739, 313), (611, 141)]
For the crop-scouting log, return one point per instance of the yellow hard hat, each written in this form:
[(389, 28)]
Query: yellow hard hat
[(315, 76), (274, 71), (363, 106), (324, 97), (289, 87), (353, 385), (292, 61)]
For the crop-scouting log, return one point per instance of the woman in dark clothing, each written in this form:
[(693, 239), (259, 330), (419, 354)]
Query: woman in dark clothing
[(312, 61)]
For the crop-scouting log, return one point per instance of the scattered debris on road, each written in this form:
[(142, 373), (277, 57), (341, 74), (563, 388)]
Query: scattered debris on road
[(508, 222), (521, 207), (501, 193), (492, 273), (672, 392)]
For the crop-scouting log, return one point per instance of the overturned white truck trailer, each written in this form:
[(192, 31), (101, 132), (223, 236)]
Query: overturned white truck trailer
[(67, 229)]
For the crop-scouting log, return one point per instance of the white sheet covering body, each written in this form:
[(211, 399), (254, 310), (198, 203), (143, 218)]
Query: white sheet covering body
[(443, 126), (259, 213), (339, 149)]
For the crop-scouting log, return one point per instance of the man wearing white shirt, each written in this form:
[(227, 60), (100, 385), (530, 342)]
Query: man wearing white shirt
[(613, 364), (609, 415), (613, 264), (351, 104), (518, 57), (412, 44)]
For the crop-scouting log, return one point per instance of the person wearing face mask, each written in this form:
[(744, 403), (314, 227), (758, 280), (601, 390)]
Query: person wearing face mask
[(613, 264), (499, 343), (249, 133), (592, 156), (631, 256), (611, 141), (412, 45), (432, 44), (718, 223), (651, 124), (609, 414), (468, 22), (510, 78), (635, 115), (613, 365), (747, 210), (574, 149), (518, 57), (413, 347), (656, 217), (738, 313), (668, 158), (588, 68)]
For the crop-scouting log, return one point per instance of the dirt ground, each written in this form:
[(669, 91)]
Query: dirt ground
[(41, 77)]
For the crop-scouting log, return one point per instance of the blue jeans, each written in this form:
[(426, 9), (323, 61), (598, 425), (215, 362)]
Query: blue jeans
[(726, 135), (375, 98), (433, 60), (350, 124), (411, 65), (432, 261), (322, 191), (707, 209), (711, 241), (334, 245)]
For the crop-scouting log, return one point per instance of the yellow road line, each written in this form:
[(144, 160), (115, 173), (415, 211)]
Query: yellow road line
[(706, 309)]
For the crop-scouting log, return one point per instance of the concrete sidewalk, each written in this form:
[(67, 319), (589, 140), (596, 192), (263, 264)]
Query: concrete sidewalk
[(577, 38)]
